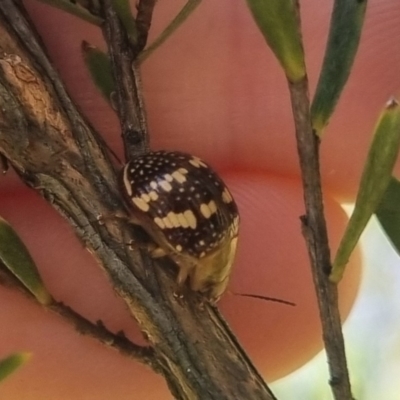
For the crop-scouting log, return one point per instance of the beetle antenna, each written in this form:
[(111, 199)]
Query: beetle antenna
[(266, 298)]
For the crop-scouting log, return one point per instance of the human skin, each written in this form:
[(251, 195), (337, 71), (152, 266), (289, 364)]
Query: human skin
[(214, 90)]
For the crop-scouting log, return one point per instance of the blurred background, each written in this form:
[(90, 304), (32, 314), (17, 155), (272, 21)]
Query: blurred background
[(372, 332)]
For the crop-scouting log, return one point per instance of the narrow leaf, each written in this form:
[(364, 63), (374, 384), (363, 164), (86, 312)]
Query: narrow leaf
[(11, 363), (180, 18), (99, 66), (374, 182), (74, 9), (388, 213), (279, 23), (15, 256), (344, 37), (123, 10)]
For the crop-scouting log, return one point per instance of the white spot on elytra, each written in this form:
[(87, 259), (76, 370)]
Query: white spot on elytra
[(165, 185), (178, 248), (191, 218), (183, 221), (196, 162), (168, 178), (145, 197), (153, 185), (208, 209), (205, 211), (167, 222), (174, 219), (159, 222), (226, 196), (140, 204), (179, 177), (153, 195), (212, 206)]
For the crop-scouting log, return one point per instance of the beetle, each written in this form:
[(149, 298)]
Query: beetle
[(188, 211)]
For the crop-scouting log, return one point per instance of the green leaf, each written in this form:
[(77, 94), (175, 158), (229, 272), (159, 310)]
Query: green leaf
[(11, 363), (279, 23), (15, 256), (388, 213), (374, 183), (99, 66), (179, 19), (344, 36), (74, 9), (123, 10)]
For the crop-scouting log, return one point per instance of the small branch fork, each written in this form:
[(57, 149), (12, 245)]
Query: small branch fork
[(85, 327), (316, 236)]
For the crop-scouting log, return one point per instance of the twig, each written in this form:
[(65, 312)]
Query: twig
[(214, 311), (98, 331), (130, 106), (143, 21), (316, 236)]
